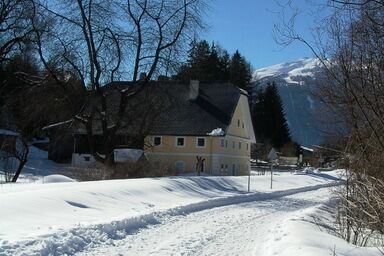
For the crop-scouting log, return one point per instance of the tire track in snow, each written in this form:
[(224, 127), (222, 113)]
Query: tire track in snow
[(230, 230)]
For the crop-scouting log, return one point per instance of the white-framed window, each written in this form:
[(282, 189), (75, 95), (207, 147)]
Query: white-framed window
[(233, 144), (243, 125), (200, 142), (222, 143), (157, 141), (180, 166), (247, 146), (238, 122), (180, 142), (239, 145)]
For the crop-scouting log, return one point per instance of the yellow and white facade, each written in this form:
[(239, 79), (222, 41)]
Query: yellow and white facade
[(228, 154)]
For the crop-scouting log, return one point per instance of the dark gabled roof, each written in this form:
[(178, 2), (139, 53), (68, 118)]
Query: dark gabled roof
[(164, 108)]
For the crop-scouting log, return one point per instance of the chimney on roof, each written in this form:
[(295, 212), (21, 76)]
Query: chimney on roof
[(193, 89)]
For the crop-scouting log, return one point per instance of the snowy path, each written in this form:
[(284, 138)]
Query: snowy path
[(172, 216), (239, 229)]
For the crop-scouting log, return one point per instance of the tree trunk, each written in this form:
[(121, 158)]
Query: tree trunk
[(23, 160)]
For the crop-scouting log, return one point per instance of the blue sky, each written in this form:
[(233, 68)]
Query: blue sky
[(247, 25)]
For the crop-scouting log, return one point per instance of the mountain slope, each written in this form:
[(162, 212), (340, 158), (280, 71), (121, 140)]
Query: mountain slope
[(296, 82), (290, 72)]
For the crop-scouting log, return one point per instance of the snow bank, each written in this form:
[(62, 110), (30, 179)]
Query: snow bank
[(68, 217), (8, 132), (57, 178), (311, 232)]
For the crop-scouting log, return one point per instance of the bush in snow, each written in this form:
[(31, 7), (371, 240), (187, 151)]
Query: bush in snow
[(89, 174), (361, 210), (142, 169)]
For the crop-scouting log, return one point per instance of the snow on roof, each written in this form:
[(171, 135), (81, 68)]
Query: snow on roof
[(123, 155), (258, 161), (243, 91), (8, 132), (57, 124), (216, 132), (307, 149)]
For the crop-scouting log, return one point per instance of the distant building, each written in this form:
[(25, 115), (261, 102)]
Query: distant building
[(307, 157)]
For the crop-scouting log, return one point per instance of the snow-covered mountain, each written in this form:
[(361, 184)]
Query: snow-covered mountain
[(296, 82), (295, 72)]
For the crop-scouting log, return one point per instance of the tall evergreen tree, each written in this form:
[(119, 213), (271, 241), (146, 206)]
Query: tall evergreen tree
[(269, 118), (258, 115), (240, 71), (198, 59), (224, 64), (213, 65)]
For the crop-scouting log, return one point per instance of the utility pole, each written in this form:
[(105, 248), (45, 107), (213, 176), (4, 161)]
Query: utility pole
[(271, 172), (249, 179)]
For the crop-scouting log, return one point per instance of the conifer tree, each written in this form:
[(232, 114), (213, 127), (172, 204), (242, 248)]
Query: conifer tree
[(199, 60), (240, 71), (224, 64), (211, 63), (269, 118), (258, 114)]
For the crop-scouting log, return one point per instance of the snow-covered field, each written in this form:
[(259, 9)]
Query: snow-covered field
[(170, 216)]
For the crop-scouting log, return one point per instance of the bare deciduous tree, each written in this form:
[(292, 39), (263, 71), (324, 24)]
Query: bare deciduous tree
[(13, 156), (14, 26), (103, 41), (352, 54)]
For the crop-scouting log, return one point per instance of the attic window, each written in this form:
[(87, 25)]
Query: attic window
[(157, 141), (238, 122)]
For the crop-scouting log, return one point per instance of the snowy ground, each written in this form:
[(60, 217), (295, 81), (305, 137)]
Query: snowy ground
[(38, 166), (169, 216)]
